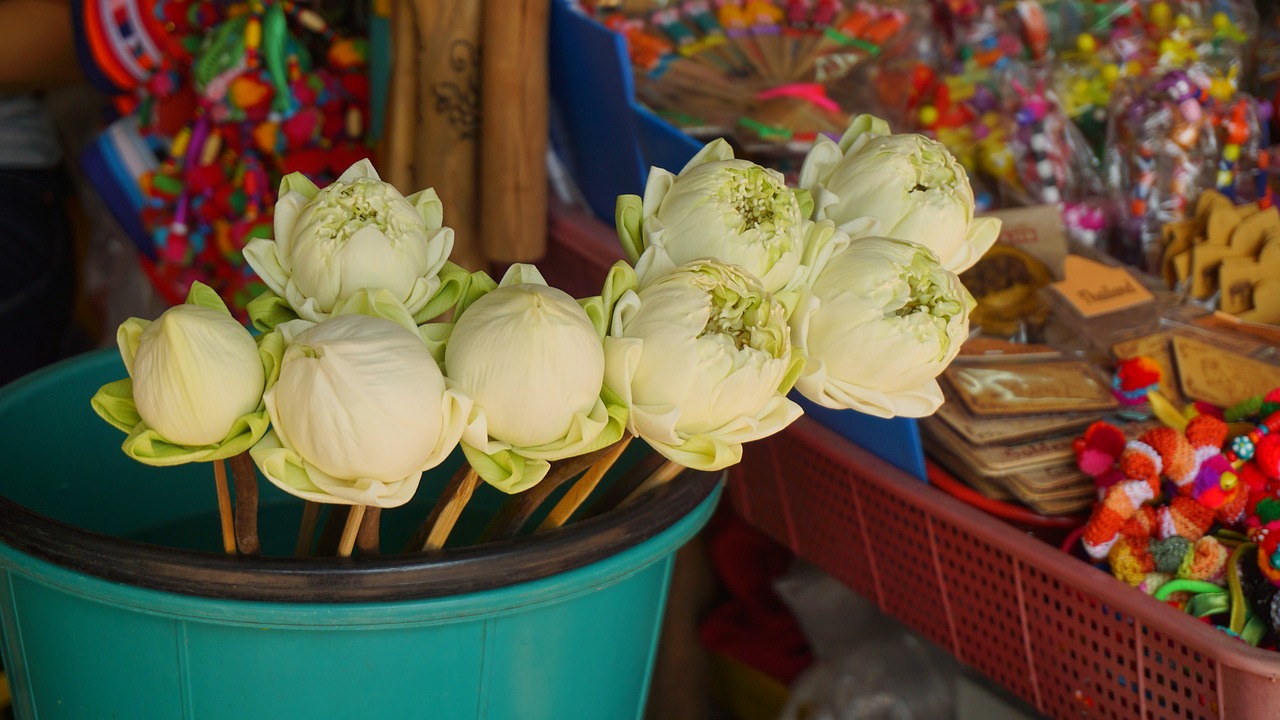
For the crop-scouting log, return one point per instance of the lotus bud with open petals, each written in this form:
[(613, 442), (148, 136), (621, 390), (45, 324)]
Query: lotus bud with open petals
[(912, 185), (358, 233), (878, 325), (721, 208), (702, 357)]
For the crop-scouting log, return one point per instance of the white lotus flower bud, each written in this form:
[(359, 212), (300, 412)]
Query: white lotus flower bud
[(878, 325), (701, 356), (361, 409), (358, 233), (530, 358), (912, 185), (195, 371), (718, 207)]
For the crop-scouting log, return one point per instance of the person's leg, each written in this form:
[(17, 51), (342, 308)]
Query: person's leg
[(37, 275)]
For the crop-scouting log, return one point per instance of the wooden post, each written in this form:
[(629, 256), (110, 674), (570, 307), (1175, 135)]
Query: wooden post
[(513, 130), (395, 157), (447, 154)]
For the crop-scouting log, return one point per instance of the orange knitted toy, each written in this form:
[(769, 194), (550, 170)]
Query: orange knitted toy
[(1160, 452)]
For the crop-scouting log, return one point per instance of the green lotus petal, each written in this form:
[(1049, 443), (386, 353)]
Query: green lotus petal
[(205, 296), (271, 352), (506, 470), (587, 433), (478, 285), (297, 182), (453, 282), (269, 310), (863, 125), (114, 403), (717, 150), (620, 278), (286, 470), (378, 303), (436, 337), (427, 203), (805, 198), (628, 215), (522, 274), (700, 452), (147, 446), (798, 361), (127, 336)]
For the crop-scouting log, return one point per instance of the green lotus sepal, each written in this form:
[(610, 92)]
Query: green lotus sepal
[(195, 386), (268, 311)]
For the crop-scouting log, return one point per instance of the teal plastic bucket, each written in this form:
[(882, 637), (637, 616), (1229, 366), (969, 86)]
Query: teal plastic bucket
[(115, 602)]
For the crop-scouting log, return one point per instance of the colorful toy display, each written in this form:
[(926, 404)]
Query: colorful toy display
[(1190, 513), (1120, 112), (248, 93)]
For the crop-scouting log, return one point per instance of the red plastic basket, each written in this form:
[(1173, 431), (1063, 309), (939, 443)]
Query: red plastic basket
[(1063, 635)]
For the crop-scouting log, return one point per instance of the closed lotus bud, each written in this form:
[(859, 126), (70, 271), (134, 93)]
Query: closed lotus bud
[(195, 372), (530, 358), (362, 409)]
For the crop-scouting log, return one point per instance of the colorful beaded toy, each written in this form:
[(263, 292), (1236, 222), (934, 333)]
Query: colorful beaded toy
[(260, 89)]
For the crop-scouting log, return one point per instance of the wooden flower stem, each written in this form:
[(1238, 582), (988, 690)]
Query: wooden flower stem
[(513, 515), (307, 528), (224, 507), (245, 476), (331, 533), (368, 537), (350, 530), (626, 484), (663, 475), (435, 530), (582, 489)]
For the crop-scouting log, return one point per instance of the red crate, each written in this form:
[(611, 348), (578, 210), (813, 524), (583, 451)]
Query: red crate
[(1063, 635)]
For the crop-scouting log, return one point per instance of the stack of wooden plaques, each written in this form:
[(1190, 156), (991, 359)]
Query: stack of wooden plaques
[(1007, 429)]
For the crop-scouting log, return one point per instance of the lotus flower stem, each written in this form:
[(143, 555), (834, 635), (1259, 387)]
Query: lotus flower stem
[(368, 537), (307, 528), (331, 532), (448, 507), (350, 530), (224, 506), (245, 476), (508, 521), (663, 475), (582, 489)]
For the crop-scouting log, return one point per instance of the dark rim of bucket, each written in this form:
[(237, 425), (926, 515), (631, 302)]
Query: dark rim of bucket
[(369, 579)]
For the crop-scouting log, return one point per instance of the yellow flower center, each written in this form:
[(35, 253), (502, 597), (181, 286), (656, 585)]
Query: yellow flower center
[(760, 199), (343, 209)]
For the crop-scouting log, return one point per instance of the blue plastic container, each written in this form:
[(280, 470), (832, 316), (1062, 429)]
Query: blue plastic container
[(110, 609), (608, 140)]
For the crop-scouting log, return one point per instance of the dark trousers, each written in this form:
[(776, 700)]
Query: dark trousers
[(37, 270)]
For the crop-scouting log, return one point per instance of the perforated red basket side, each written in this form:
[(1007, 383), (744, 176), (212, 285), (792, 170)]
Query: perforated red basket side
[(1065, 636)]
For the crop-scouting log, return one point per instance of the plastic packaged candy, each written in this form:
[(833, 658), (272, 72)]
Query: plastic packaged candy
[(1161, 152), (1266, 79)]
